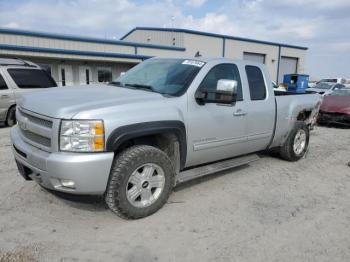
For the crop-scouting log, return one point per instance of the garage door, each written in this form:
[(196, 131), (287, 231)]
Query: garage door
[(288, 65), (255, 57)]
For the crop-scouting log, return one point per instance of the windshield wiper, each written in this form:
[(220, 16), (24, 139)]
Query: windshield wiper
[(116, 83), (141, 86)]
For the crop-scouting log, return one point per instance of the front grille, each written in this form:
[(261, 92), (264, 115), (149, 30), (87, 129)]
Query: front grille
[(37, 138), (37, 120), (35, 130)]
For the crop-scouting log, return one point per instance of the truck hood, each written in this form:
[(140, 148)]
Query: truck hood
[(65, 102), (336, 104)]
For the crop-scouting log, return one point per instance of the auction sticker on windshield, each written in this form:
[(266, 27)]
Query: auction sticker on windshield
[(193, 63)]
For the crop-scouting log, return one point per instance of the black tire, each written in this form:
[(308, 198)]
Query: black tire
[(124, 165), (11, 116), (287, 151)]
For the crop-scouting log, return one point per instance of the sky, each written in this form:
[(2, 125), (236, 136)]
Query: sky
[(321, 25)]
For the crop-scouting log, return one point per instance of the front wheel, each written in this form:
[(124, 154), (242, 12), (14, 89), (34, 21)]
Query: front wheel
[(297, 143), (11, 116), (141, 180)]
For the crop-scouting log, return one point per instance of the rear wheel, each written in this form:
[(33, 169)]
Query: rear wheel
[(141, 180), (297, 143), (11, 116)]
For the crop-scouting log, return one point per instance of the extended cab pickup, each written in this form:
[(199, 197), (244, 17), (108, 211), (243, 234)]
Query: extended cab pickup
[(164, 122)]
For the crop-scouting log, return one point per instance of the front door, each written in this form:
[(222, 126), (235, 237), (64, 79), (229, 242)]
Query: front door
[(84, 75), (216, 131), (65, 75)]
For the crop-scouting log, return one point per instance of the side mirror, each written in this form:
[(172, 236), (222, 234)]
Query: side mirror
[(225, 93), (227, 85)]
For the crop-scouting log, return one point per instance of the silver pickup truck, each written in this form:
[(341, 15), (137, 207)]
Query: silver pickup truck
[(164, 122)]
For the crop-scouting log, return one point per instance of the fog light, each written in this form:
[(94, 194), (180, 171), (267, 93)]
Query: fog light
[(68, 183)]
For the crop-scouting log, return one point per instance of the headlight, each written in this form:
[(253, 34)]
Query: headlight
[(82, 136)]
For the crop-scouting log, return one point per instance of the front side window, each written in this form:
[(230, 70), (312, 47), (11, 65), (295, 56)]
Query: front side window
[(256, 83), (165, 76), (222, 71), (3, 85), (31, 78)]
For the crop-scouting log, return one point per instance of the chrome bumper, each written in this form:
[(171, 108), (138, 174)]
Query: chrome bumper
[(88, 171)]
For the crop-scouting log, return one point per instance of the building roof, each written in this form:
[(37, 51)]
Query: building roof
[(85, 39), (182, 30)]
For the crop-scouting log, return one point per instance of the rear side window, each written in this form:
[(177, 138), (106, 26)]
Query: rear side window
[(31, 78), (256, 83), (2, 83)]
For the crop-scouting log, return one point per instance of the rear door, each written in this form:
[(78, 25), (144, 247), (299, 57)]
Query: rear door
[(216, 131), (261, 109), (6, 97)]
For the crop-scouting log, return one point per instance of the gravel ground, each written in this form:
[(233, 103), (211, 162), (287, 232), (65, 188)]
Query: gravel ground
[(270, 210)]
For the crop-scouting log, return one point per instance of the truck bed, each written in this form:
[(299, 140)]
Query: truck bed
[(288, 106)]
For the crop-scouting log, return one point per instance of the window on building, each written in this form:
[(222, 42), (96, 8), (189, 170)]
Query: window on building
[(31, 78), (256, 83), (222, 71), (87, 75), (3, 85), (104, 75), (63, 76)]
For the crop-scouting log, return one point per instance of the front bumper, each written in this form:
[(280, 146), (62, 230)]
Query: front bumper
[(88, 171)]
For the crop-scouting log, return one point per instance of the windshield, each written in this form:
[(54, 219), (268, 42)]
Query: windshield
[(323, 86), (341, 92), (165, 76)]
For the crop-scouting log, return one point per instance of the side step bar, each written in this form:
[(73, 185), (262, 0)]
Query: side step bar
[(201, 171)]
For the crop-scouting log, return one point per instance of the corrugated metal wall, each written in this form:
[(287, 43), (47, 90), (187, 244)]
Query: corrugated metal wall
[(156, 37)]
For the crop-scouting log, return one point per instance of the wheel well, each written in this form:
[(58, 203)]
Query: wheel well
[(167, 142), (10, 107), (304, 115)]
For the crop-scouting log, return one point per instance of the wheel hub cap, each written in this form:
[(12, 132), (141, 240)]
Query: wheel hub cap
[(145, 185), (299, 142)]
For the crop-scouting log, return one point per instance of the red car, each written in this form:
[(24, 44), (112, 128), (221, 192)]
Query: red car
[(335, 108)]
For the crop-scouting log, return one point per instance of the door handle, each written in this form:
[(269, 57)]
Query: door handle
[(239, 112), (5, 96)]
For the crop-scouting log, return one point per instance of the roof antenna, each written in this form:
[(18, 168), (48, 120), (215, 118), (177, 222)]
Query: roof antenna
[(198, 54)]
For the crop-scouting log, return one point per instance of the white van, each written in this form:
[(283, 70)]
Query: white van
[(18, 76)]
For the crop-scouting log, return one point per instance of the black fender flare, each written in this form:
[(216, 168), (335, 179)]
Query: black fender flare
[(125, 133)]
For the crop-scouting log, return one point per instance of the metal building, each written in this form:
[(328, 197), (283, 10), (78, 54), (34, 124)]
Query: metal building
[(280, 58), (86, 60)]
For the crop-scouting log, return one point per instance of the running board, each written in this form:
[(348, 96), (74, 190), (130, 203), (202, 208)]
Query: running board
[(201, 171)]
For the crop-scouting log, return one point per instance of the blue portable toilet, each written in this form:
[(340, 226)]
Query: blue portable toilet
[(296, 82)]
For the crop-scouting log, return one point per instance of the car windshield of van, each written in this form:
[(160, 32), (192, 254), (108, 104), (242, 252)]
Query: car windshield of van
[(164, 76), (31, 78)]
